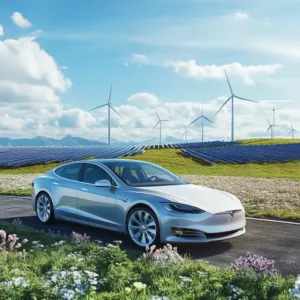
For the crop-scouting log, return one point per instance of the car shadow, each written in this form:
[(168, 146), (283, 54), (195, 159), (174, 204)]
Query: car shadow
[(64, 228)]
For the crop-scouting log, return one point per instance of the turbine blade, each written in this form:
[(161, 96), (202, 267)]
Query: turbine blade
[(290, 132), (268, 129), (116, 112), (155, 125), (110, 94), (228, 82), (223, 105), (207, 119), (195, 120), (269, 122), (98, 107), (245, 99), (157, 114)]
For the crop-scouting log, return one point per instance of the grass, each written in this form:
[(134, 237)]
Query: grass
[(93, 271), (268, 141), (15, 192), (172, 160)]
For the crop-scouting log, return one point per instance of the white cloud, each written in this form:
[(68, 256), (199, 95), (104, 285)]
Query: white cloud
[(76, 118), (23, 61), (144, 99), (29, 82), (192, 70), (20, 21), (240, 16), (1, 30), (126, 64), (141, 59)]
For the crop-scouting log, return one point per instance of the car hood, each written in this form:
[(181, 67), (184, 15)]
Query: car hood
[(208, 199)]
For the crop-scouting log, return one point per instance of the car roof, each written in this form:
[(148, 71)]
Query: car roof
[(100, 161)]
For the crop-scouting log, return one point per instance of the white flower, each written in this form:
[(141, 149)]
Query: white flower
[(67, 294), (139, 286), (127, 290)]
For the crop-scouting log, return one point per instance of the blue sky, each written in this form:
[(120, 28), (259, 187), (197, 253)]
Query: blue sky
[(171, 49)]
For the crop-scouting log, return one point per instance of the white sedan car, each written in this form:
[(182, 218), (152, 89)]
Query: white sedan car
[(140, 199)]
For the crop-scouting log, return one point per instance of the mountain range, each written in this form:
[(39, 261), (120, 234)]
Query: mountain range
[(75, 141)]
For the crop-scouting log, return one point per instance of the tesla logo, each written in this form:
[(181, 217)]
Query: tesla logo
[(232, 213)]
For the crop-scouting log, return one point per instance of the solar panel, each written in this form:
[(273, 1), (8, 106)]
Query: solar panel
[(247, 153)]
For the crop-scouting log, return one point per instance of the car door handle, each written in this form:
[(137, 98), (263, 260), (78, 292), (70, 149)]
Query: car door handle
[(84, 189), (56, 183)]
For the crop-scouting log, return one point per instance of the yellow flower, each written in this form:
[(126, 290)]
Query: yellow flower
[(127, 290), (139, 286)]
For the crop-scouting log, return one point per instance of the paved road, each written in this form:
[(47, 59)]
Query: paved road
[(277, 241)]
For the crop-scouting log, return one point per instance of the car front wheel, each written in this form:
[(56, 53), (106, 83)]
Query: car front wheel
[(143, 227)]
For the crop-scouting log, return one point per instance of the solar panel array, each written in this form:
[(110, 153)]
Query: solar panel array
[(17, 156), (247, 154), (191, 145)]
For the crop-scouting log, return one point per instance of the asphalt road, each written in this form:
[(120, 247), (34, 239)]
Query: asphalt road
[(277, 241)]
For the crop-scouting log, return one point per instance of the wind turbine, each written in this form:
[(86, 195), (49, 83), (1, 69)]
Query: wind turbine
[(292, 132), (185, 133), (109, 107), (202, 117), (271, 127), (232, 106), (160, 127)]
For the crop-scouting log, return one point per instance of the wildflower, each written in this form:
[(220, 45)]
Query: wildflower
[(127, 290), (295, 292), (118, 243), (257, 264), (67, 294), (162, 256), (24, 241), (139, 286), (35, 242)]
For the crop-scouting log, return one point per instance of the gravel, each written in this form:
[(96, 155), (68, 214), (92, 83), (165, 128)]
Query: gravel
[(255, 193)]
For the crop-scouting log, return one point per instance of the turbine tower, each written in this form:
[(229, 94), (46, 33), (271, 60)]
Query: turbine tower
[(109, 107), (160, 121), (292, 132), (232, 105), (202, 117), (271, 127), (185, 133)]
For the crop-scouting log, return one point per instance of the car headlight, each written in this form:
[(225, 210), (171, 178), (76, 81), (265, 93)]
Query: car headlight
[(182, 208)]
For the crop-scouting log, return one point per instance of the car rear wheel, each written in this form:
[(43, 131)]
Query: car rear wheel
[(44, 208), (143, 227)]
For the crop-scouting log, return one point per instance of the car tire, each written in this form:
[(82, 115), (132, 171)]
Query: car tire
[(44, 208), (143, 227)]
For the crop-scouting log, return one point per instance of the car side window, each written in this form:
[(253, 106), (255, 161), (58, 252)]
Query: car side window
[(93, 173), (59, 170), (71, 172)]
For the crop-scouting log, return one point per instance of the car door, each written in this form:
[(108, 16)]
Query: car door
[(97, 205), (64, 188)]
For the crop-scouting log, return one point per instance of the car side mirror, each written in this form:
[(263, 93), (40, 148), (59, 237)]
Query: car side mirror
[(103, 183)]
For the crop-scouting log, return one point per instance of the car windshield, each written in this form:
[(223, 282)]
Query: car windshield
[(142, 174)]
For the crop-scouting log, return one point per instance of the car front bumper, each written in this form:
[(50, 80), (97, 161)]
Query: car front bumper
[(201, 228)]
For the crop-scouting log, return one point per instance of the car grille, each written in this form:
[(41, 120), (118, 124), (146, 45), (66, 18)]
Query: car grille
[(220, 234), (189, 233)]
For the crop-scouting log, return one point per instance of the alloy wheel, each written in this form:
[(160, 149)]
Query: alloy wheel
[(142, 227), (43, 208)]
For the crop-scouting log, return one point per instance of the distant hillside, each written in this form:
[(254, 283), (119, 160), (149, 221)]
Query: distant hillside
[(44, 141), (262, 141)]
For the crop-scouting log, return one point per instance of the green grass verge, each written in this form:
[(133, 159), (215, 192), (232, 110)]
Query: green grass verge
[(15, 192), (48, 271), (268, 141)]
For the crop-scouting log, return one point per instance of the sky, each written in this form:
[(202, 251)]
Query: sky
[(58, 59)]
